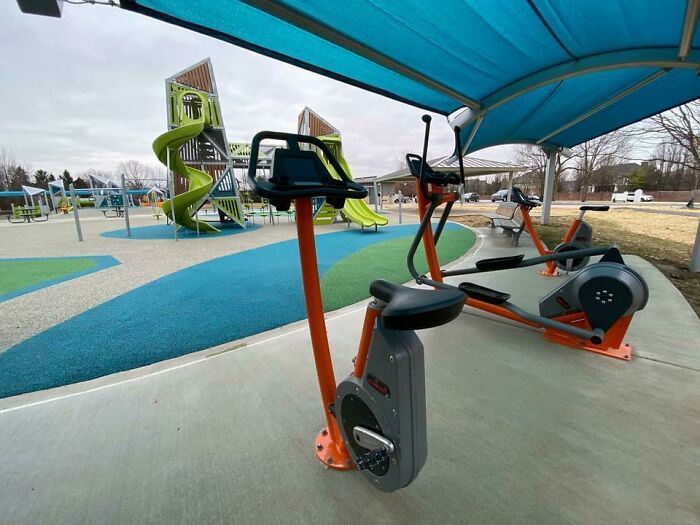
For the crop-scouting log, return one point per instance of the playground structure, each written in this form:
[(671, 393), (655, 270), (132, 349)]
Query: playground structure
[(354, 210), (195, 148)]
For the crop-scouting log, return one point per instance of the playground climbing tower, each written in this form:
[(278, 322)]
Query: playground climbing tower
[(208, 151)]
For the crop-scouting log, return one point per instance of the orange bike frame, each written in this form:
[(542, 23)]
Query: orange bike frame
[(612, 344), (329, 444)]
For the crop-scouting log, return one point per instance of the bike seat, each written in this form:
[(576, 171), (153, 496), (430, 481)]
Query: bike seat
[(415, 308), (594, 208)]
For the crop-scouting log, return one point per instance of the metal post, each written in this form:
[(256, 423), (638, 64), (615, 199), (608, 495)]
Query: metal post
[(171, 178), (695, 256), (400, 199), (376, 193), (461, 194), (548, 196), (381, 195), (75, 212), (510, 185), (126, 206)]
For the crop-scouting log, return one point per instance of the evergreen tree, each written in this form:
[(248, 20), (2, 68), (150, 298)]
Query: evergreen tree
[(66, 178)]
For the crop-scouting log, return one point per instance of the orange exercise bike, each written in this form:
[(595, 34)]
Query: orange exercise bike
[(590, 311), (579, 235), (376, 420)]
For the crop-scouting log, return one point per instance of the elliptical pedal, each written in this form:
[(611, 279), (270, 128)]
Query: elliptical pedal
[(482, 293)]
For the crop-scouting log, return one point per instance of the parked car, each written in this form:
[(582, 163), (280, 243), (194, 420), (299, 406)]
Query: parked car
[(471, 197), (500, 195), (629, 196), (404, 198)]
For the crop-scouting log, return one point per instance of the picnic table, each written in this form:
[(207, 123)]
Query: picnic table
[(21, 214)]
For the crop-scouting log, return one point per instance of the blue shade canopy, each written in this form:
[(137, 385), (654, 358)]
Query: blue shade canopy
[(548, 72)]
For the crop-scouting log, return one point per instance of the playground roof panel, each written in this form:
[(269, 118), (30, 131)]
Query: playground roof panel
[(473, 167), (31, 190), (548, 72)]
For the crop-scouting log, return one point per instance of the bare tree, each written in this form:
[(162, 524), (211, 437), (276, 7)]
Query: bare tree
[(595, 154), (535, 159), (678, 133), (8, 164), (136, 173)]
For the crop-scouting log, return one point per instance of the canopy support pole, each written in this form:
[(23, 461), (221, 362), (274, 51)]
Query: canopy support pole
[(548, 196), (74, 202), (125, 196), (694, 265), (510, 185), (376, 196)]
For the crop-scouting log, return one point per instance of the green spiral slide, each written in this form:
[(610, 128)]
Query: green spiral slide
[(356, 210), (199, 182)]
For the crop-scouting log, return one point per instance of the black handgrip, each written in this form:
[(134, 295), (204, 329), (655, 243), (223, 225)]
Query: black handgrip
[(293, 140), (458, 152)]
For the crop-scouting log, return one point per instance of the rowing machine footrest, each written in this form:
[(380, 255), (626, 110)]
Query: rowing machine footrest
[(499, 263), (481, 293), (594, 208)]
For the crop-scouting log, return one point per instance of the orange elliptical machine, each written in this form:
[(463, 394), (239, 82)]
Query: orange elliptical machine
[(590, 311), (376, 417)]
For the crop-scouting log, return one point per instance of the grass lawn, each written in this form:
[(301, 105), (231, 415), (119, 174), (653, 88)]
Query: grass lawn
[(20, 276), (348, 280)]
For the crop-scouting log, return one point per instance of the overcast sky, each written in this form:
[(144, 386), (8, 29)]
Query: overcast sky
[(87, 91)]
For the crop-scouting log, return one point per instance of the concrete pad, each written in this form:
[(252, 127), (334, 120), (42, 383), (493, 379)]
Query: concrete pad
[(520, 431)]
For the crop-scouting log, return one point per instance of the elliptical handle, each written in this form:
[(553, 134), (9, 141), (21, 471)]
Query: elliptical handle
[(426, 137), (458, 152)]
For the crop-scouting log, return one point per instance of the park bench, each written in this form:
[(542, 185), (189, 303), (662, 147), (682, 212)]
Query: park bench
[(513, 225), (507, 217)]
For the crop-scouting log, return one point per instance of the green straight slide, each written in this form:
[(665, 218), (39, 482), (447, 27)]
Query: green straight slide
[(355, 210), (199, 182)]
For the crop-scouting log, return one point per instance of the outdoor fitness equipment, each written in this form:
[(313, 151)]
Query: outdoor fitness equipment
[(577, 237), (376, 417), (591, 311)]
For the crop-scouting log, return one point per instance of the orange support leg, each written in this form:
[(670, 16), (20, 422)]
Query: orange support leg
[(551, 270), (365, 340), (613, 344), (330, 448), (429, 241)]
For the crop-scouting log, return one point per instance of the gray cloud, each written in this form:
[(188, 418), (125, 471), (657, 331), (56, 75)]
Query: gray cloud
[(87, 91)]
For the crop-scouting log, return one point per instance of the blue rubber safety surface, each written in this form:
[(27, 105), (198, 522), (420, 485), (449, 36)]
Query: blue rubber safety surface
[(205, 305), (101, 262), (163, 231)]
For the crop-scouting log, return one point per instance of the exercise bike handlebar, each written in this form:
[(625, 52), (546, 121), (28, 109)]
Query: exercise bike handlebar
[(293, 141)]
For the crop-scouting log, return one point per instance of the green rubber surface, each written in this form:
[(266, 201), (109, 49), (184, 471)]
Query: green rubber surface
[(20, 276), (347, 281)]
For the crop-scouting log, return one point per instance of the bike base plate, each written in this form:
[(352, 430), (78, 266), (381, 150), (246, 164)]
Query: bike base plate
[(333, 455)]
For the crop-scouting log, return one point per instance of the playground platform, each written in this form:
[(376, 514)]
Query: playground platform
[(519, 430)]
